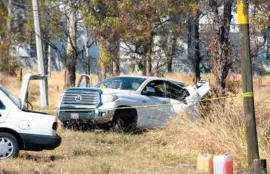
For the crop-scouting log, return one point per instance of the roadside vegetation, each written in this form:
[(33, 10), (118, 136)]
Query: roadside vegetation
[(173, 149), (152, 38)]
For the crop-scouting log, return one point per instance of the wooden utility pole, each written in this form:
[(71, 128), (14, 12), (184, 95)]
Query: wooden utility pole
[(50, 61), (40, 57), (268, 41), (247, 78)]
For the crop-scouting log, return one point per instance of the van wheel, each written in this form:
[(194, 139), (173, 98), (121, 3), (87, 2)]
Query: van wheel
[(9, 147)]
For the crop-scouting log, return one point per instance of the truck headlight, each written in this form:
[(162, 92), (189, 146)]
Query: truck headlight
[(108, 98)]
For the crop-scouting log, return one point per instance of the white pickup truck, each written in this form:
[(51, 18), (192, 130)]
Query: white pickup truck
[(22, 129), (129, 102)]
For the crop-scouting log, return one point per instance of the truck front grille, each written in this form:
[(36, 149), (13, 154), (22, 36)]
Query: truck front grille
[(92, 98)]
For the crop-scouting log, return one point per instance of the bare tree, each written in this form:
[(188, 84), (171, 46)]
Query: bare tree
[(71, 55), (194, 44), (221, 48)]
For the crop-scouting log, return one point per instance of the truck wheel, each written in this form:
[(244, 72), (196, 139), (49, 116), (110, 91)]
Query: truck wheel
[(123, 121), (116, 125), (9, 147)]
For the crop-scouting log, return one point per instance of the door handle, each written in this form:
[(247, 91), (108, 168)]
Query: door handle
[(0, 115), (144, 101), (165, 102)]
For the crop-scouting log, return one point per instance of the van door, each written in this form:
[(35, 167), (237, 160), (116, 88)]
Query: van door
[(3, 112)]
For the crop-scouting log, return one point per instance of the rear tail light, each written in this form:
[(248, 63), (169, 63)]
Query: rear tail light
[(55, 126)]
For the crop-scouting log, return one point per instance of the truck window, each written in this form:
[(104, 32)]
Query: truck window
[(123, 83), (176, 92), (159, 88), (2, 106)]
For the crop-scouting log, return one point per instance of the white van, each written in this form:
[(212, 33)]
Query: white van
[(22, 129)]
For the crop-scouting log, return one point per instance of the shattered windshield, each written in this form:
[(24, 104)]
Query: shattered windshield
[(12, 97), (123, 83)]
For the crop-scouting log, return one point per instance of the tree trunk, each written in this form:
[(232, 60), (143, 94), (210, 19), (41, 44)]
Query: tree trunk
[(103, 63), (191, 42), (102, 72), (142, 66), (9, 23), (268, 40), (149, 71), (226, 61), (114, 49), (148, 65), (194, 46), (87, 58), (172, 53), (197, 48), (70, 67), (221, 55), (116, 66), (46, 54), (169, 64)]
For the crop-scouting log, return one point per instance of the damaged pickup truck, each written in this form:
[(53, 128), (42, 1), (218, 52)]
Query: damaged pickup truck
[(128, 102)]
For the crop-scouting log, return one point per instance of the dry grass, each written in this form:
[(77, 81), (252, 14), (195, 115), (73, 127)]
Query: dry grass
[(99, 152), (159, 151)]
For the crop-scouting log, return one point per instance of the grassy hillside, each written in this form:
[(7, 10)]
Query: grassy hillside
[(158, 151)]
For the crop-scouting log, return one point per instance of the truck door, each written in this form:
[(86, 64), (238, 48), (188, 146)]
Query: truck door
[(176, 95), (3, 112), (157, 105)]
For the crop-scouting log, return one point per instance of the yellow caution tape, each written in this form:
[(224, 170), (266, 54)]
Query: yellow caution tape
[(102, 86), (240, 95), (242, 11)]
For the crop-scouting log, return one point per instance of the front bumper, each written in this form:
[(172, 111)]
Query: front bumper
[(80, 115), (40, 142)]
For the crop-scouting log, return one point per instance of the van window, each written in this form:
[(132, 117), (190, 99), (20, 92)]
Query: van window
[(2, 106)]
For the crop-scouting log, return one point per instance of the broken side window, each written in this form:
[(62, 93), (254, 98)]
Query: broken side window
[(175, 92)]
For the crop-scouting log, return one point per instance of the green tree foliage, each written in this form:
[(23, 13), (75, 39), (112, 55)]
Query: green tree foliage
[(262, 14), (260, 19), (136, 23), (3, 20)]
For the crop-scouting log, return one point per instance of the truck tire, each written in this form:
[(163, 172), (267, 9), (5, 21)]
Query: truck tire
[(9, 147), (124, 120), (116, 125)]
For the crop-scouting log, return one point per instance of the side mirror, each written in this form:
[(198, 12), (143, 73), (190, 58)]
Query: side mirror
[(149, 90)]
